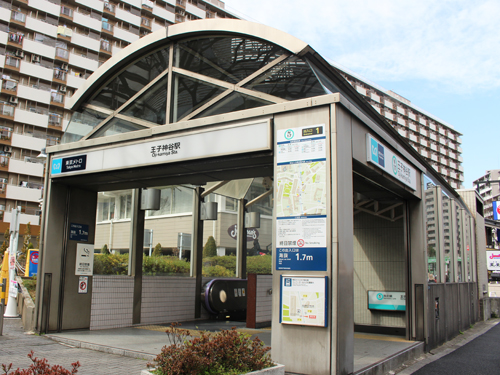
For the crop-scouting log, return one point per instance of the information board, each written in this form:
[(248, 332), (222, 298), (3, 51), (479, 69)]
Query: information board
[(301, 199), (303, 300), (84, 259), (389, 301)]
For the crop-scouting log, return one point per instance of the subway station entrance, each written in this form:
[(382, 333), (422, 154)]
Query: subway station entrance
[(204, 112)]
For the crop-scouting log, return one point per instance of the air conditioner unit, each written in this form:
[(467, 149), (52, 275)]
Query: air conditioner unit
[(35, 59), (13, 99), (62, 88), (19, 53), (64, 67), (7, 148)]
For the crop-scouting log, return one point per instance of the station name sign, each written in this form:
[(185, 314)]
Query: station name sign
[(194, 145), (382, 157)]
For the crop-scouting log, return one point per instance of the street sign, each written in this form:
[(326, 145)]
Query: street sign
[(83, 284)]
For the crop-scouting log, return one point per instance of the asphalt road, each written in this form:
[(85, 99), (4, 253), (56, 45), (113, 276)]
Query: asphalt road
[(481, 356)]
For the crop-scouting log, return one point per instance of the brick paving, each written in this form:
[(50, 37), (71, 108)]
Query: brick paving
[(15, 346)]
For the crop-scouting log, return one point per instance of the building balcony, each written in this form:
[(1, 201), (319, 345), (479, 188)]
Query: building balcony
[(15, 39), (146, 23), (55, 121), (107, 28), (4, 163), (12, 63), (66, 12), (3, 189), (105, 47), (180, 4), (57, 99), (62, 54), (7, 111), (109, 8), (9, 87), (18, 18), (5, 137), (60, 76)]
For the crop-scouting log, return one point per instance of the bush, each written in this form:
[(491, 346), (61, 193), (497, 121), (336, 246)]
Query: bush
[(110, 264), (260, 265), (226, 352), (41, 366), (217, 271), (104, 250), (164, 266), (210, 248), (157, 250)]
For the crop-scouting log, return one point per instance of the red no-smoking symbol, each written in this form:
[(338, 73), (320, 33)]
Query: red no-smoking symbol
[(300, 243), (83, 285)]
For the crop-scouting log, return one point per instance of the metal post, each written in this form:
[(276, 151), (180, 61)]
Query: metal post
[(241, 247), (197, 249), (136, 253)]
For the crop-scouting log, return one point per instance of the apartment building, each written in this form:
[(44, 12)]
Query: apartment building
[(489, 191), (433, 138), (47, 50)]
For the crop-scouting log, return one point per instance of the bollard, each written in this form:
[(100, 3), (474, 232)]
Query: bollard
[(1, 317)]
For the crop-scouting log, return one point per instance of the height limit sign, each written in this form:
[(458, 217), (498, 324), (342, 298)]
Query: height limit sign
[(83, 284)]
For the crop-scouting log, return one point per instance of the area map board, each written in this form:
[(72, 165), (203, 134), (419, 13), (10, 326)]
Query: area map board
[(301, 199), (303, 300)]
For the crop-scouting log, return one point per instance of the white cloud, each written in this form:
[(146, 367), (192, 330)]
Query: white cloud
[(454, 43)]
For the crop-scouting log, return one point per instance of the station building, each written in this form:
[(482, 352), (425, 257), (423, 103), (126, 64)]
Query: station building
[(365, 234)]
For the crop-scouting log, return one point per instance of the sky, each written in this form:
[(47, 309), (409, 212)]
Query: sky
[(443, 56)]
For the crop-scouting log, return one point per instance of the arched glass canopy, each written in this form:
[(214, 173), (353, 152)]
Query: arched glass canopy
[(193, 78)]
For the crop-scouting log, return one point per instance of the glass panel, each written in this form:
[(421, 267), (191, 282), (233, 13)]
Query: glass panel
[(116, 126), (152, 105), (125, 206), (291, 80), (81, 124), (447, 238), (431, 219), (328, 85), (263, 206), (182, 199), (132, 80), (165, 203), (233, 102), (229, 59), (190, 94)]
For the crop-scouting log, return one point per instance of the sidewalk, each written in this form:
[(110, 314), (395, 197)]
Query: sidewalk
[(477, 330), (15, 345)]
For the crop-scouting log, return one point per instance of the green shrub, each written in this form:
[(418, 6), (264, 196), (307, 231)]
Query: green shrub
[(210, 248), (226, 352), (110, 264), (227, 261), (157, 250), (217, 271), (160, 265), (260, 265), (104, 250)]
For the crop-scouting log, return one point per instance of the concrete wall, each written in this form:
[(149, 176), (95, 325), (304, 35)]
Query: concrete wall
[(379, 264)]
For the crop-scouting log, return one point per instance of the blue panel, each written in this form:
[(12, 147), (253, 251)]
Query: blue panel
[(78, 232), (301, 259), (56, 166)]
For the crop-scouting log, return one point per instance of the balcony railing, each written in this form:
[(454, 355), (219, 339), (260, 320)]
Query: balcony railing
[(31, 185), (52, 141), (60, 74), (5, 133), (16, 38), (30, 210), (9, 85), (3, 187), (62, 53), (56, 97), (6, 109), (13, 61), (66, 11), (105, 45), (107, 26), (4, 161), (109, 7), (18, 16), (55, 119)]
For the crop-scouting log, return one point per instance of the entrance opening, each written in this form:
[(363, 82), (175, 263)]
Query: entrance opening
[(379, 272), (168, 293)]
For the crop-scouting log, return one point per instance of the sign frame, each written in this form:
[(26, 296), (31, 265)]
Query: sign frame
[(318, 286), (84, 259), (385, 300)]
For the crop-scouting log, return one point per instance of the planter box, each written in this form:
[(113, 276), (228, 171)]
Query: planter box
[(275, 370)]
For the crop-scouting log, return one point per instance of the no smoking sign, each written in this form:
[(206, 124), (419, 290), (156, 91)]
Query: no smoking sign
[(83, 285)]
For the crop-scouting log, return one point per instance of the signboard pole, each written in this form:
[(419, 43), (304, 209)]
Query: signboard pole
[(11, 311)]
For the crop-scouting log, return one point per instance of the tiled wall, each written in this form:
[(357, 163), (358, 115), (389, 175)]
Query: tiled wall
[(112, 298), (263, 301)]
